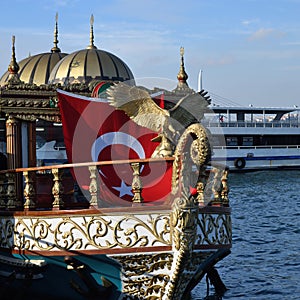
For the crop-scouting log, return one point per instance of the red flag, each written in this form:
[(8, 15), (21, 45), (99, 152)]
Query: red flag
[(95, 131), (159, 99)]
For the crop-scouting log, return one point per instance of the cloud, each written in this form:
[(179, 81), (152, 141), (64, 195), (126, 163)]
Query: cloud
[(249, 22), (265, 33), (296, 43), (226, 60)]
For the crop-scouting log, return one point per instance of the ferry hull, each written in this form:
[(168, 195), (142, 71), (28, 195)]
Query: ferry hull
[(252, 159)]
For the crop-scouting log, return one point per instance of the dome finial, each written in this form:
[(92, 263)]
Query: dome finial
[(91, 45), (55, 42), (13, 67), (182, 76)]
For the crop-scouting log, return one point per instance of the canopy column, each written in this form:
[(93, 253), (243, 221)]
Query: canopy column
[(32, 144), (13, 143), (14, 154)]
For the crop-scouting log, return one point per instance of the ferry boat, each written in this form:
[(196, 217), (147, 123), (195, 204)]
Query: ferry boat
[(255, 138), (117, 224)]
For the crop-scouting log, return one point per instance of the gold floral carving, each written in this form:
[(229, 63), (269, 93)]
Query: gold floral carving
[(145, 276), (193, 148), (82, 233), (214, 229)]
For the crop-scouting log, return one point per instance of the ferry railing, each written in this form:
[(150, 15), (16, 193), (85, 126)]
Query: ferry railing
[(258, 147), (62, 189), (273, 124)]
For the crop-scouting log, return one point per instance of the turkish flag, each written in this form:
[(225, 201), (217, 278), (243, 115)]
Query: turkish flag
[(95, 131)]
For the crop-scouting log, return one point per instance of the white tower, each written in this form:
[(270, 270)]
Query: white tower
[(200, 81)]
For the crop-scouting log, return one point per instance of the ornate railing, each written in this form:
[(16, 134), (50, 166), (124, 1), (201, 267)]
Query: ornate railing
[(20, 189)]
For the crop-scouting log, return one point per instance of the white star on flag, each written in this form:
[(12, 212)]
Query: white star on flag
[(124, 189)]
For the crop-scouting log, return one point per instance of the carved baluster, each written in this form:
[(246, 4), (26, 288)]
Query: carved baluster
[(2, 191), (201, 186), (29, 192), (217, 187), (57, 189), (11, 191), (136, 184), (225, 189), (93, 188)]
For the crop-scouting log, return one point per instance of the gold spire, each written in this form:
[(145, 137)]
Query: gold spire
[(182, 76), (55, 42), (13, 67), (91, 45)]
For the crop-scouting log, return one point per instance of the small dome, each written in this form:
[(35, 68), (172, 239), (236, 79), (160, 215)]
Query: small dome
[(36, 69), (89, 64)]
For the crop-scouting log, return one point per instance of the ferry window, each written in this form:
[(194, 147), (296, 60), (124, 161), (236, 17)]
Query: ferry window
[(231, 141), (50, 146), (247, 141)]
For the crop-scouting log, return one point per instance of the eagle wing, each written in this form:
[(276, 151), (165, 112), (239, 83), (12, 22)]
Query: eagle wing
[(189, 109), (138, 105)]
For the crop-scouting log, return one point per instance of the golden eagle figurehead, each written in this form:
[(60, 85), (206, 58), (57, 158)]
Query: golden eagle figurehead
[(142, 109)]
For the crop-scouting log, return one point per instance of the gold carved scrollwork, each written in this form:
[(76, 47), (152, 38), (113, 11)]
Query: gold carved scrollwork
[(215, 229), (193, 148), (94, 232), (137, 283), (6, 233)]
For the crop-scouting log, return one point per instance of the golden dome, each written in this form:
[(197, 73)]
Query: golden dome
[(89, 64), (36, 69)]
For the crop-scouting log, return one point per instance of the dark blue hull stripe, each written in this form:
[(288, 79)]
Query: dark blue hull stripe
[(292, 157)]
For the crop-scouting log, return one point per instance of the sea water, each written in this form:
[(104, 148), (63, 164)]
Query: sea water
[(265, 258)]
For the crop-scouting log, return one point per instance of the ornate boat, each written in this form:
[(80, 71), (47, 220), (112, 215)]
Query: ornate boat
[(65, 235), (56, 240)]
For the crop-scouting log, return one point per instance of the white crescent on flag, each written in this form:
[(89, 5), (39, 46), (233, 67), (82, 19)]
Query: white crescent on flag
[(116, 138)]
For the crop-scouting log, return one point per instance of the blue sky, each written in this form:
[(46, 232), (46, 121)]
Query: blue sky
[(248, 50)]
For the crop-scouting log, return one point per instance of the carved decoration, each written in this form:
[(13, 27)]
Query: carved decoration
[(2, 191), (7, 233), (136, 184), (225, 189), (57, 189), (214, 229), (29, 191), (82, 233), (93, 185), (194, 145), (11, 191), (145, 276)]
